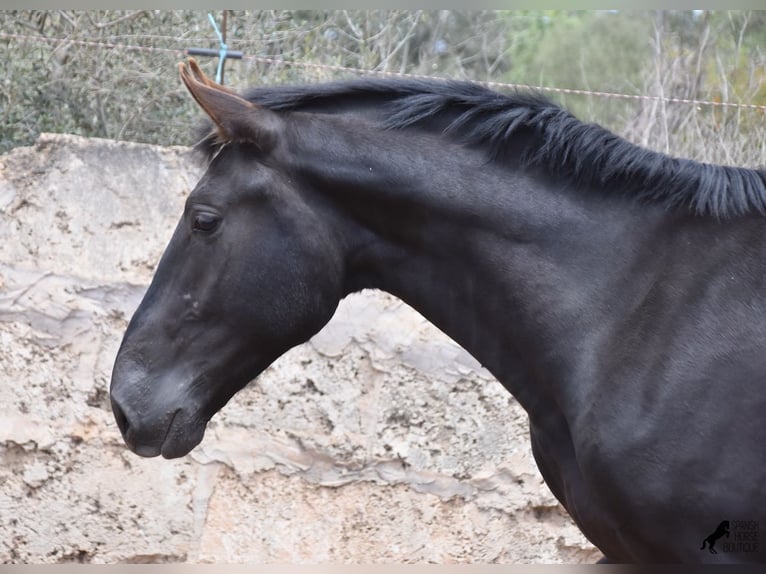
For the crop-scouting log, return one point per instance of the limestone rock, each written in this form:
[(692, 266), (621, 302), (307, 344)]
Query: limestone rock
[(380, 440)]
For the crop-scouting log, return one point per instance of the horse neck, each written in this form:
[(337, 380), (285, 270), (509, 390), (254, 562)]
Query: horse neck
[(514, 270)]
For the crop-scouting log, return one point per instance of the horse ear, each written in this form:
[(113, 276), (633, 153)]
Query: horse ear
[(236, 118)]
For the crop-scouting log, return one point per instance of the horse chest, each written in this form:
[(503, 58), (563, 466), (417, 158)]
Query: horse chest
[(555, 454), (641, 494)]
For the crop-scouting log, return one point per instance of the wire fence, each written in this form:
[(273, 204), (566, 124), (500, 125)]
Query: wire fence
[(181, 52), (112, 74)]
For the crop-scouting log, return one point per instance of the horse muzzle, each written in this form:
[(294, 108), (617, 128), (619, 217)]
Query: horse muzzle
[(150, 423)]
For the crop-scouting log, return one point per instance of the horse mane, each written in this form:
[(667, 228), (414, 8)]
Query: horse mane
[(585, 154)]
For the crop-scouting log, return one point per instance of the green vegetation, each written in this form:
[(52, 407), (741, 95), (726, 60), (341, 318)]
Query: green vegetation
[(55, 81)]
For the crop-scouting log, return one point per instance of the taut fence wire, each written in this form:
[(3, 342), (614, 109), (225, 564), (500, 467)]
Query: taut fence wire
[(182, 52)]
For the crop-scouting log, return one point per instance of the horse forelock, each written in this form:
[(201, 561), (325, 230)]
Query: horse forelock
[(585, 154)]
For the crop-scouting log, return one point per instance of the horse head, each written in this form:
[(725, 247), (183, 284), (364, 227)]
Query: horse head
[(251, 271)]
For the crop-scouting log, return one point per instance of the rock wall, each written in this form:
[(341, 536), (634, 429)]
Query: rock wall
[(380, 440)]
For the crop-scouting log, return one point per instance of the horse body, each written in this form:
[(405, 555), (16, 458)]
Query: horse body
[(630, 331)]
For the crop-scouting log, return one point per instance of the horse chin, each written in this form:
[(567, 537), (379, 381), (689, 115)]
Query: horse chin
[(183, 436), (177, 449)]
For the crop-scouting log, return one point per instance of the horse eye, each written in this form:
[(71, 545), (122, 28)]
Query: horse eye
[(205, 222)]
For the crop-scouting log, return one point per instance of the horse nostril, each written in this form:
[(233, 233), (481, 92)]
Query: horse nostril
[(119, 416)]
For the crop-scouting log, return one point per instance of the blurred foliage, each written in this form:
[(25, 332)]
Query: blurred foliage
[(593, 51), (54, 83)]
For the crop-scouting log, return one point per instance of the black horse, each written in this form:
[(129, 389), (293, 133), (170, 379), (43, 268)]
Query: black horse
[(619, 294)]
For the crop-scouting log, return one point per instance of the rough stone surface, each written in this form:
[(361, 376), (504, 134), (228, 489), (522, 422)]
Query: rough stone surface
[(380, 440)]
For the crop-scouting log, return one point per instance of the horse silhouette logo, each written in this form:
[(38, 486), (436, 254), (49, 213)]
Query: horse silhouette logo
[(722, 529)]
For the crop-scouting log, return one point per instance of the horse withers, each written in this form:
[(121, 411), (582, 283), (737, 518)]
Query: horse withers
[(618, 293)]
